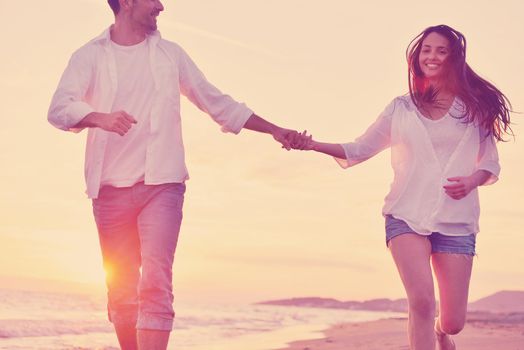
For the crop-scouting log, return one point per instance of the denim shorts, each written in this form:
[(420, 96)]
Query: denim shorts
[(439, 243)]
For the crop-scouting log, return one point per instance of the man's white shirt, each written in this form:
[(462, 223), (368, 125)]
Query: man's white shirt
[(90, 83)]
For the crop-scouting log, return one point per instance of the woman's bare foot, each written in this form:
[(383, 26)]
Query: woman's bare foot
[(445, 342)]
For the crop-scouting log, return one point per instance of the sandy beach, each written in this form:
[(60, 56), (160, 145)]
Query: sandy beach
[(481, 333)]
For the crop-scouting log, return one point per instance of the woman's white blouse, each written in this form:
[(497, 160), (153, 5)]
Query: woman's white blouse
[(417, 195)]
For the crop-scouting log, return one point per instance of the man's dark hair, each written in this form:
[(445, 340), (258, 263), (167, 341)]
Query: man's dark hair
[(115, 6)]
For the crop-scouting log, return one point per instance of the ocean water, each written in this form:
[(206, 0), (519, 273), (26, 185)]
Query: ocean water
[(55, 321)]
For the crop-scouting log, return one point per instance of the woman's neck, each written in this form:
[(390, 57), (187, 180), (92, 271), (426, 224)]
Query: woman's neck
[(440, 103), (444, 97)]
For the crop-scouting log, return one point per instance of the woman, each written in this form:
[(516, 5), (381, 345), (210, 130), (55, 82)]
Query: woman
[(442, 138)]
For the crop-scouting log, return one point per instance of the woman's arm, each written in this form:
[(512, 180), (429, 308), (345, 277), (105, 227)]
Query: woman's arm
[(463, 185), (331, 149), (376, 138)]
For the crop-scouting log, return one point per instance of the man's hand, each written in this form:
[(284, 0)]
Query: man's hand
[(462, 186), (285, 136), (302, 141), (118, 122)]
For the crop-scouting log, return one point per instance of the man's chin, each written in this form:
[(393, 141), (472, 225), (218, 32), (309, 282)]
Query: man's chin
[(152, 29)]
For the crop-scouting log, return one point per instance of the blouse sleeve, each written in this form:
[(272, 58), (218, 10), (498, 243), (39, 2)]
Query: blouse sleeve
[(488, 158), (376, 138)]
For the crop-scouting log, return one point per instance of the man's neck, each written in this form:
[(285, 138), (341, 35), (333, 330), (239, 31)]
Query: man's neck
[(124, 34)]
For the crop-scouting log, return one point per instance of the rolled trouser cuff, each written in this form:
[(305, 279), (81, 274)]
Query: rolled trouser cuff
[(155, 322)]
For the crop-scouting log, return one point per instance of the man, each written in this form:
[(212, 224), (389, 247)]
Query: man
[(125, 86)]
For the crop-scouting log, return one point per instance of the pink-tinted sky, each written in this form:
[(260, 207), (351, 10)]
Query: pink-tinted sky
[(260, 222)]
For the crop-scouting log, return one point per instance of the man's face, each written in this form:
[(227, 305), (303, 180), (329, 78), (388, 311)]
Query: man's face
[(144, 14)]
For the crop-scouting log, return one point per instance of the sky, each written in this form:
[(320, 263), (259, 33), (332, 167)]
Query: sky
[(259, 222)]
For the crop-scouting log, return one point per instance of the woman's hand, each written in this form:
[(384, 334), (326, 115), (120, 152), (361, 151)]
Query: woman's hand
[(302, 141), (465, 184), (461, 187)]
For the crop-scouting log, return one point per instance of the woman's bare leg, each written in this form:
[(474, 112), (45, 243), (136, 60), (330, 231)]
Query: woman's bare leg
[(412, 253), (453, 273)]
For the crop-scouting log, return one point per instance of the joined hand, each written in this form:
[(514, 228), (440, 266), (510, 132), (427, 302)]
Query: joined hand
[(302, 141), (291, 139)]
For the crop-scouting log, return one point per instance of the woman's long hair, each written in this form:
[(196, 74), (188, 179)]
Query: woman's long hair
[(484, 104)]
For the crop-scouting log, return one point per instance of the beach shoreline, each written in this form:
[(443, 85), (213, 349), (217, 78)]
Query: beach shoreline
[(482, 332)]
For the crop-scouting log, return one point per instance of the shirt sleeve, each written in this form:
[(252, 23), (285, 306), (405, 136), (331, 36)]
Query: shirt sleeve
[(228, 113), (68, 106), (488, 158), (376, 138)]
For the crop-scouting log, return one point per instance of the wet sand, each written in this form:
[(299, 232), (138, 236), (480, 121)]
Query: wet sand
[(483, 332)]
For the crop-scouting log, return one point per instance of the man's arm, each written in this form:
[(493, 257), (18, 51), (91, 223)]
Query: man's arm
[(119, 122), (68, 106), (228, 113), (286, 137)]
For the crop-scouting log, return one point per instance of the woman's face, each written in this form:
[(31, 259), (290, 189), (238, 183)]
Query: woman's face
[(433, 53)]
